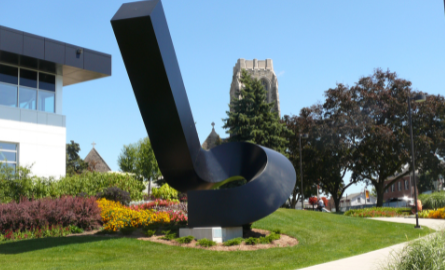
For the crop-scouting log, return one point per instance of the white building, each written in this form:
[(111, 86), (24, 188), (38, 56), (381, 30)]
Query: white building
[(356, 200), (33, 72)]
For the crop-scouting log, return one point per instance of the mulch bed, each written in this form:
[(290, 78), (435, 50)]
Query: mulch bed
[(284, 241)]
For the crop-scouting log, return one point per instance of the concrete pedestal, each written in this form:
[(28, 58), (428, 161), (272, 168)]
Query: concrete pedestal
[(216, 234)]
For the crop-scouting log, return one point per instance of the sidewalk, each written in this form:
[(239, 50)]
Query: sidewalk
[(372, 260)]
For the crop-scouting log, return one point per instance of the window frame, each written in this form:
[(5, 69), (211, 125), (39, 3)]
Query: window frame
[(19, 68), (16, 151)]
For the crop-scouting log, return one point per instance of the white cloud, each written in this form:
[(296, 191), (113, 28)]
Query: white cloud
[(281, 73)]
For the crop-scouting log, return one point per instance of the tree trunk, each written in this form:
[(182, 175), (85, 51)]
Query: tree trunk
[(294, 200), (379, 187), (337, 203)]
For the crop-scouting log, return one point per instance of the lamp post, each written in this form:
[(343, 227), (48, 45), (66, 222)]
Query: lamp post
[(305, 136), (418, 98)]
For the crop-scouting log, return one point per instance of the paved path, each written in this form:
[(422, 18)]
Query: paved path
[(372, 260)]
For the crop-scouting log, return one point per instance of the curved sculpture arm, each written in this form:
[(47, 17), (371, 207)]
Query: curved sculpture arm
[(147, 50)]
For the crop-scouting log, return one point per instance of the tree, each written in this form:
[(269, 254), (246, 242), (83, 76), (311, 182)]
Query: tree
[(140, 160), (251, 118), (74, 164), (326, 155), (375, 110)]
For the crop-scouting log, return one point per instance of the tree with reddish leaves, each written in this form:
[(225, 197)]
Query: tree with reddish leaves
[(374, 114)]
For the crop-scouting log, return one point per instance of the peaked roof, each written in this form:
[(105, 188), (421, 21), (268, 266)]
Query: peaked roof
[(96, 161), (211, 140)]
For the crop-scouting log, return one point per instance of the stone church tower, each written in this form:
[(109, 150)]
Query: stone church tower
[(261, 70)]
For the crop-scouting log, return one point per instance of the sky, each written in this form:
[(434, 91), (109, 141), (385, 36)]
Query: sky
[(313, 45)]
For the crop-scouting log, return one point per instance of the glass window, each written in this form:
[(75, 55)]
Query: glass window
[(8, 146), (399, 185), (406, 185), (8, 154), (28, 78), (9, 74), (392, 188), (8, 95), (47, 82), (28, 98), (358, 199), (46, 101)]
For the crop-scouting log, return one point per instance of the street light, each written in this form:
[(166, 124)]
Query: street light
[(418, 98), (304, 136)]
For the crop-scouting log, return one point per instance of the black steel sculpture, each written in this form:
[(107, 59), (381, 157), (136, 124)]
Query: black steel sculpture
[(147, 50)]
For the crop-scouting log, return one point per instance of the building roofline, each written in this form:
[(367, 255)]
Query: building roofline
[(77, 64)]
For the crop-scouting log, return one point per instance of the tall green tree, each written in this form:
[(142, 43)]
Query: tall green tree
[(74, 164), (140, 160), (251, 118)]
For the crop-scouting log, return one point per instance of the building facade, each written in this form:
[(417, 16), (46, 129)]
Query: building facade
[(33, 72), (261, 70)]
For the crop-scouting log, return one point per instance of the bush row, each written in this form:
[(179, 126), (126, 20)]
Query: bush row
[(378, 212), (433, 200), (21, 184), (29, 215)]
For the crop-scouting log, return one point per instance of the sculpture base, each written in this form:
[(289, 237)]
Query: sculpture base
[(216, 234)]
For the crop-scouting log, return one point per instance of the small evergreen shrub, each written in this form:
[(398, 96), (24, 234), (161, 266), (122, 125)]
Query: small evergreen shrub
[(168, 235), (149, 233), (165, 192), (277, 231), (115, 194), (75, 229), (251, 241), (206, 243), (273, 236), (185, 239), (264, 240), (233, 242)]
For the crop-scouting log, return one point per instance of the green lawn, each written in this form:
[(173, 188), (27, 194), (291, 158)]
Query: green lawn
[(323, 237)]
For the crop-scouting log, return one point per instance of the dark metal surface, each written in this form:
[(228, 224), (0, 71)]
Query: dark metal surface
[(147, 50)]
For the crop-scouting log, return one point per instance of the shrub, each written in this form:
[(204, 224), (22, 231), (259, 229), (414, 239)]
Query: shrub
[(165, 192), (185, 239), (168, 235), (264, 240), (75, 229), (274, 236), (433, 201), (149, 233), (206, 243), (115, 194), (14, 186), (425, 253), (251, 241), (438, 214), (154, 205), (233, 242), (81, 212), (127, 230), (378, 212), (276, 231)]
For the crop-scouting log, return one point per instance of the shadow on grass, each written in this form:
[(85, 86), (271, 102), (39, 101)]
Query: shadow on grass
[(22, 246)]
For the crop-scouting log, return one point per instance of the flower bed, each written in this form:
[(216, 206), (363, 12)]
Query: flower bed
[(378, 212), (116, 216), (155, 204), (436, 214)]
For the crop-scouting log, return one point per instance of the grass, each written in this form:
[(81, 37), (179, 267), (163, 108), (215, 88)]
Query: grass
[(322, 237)]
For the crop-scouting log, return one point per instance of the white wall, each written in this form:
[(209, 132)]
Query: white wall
[(41, 145)]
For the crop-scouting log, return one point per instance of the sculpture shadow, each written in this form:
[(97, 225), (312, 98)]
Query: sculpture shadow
[(23, 246)]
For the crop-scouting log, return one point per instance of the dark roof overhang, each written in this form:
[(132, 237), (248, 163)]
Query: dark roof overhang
[(75, 63)]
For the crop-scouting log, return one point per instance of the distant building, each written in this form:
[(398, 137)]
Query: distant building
[(261, 70), (95, 162), (212, 140), (354, 200)]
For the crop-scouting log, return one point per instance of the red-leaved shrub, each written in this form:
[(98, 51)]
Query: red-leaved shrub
[(26, 215)]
